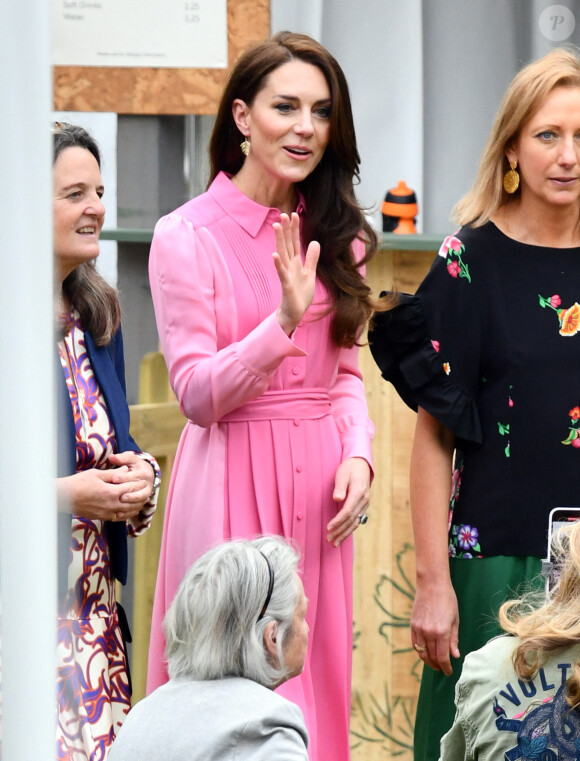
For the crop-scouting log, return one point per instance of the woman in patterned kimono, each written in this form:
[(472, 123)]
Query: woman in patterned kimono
[(106, 488), (262, 354), (489, 351)]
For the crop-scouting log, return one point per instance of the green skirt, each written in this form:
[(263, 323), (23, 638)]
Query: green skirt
[(481, 585)]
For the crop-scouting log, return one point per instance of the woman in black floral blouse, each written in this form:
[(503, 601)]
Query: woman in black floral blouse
[(488, 350)]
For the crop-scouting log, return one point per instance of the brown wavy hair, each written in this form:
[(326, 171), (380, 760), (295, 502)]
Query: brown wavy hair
[(85, 289), (333, 215), (544, 624)]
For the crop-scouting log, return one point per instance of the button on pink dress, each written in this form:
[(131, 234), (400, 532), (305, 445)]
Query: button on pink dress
[(270, 420)]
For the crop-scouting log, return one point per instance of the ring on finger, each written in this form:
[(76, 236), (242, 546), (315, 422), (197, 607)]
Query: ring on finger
[(420, 648), (363, 518)]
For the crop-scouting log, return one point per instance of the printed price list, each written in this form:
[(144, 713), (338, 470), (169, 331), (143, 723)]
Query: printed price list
[(166, 33)]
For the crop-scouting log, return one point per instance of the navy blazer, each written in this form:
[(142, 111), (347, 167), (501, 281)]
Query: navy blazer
[(108, 366)]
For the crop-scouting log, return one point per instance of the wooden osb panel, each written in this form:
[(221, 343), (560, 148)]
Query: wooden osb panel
[(386, 671), (160, 91)]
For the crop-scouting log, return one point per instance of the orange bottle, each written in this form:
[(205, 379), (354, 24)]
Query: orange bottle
[(399, 210)]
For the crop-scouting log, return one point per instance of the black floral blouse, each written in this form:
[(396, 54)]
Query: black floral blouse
[(490, 346)]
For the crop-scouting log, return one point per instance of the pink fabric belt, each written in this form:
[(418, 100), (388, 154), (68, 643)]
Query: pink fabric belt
[(305, 404)]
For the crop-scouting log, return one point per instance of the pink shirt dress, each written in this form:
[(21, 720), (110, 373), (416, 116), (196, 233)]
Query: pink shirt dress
[(270, 418)]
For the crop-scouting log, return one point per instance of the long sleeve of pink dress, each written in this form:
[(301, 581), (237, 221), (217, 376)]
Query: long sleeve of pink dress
[(270, 418)]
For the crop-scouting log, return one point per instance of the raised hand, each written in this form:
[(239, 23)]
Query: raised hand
[(297, 279)]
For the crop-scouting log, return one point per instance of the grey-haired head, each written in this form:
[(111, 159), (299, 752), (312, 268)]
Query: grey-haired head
[(216, 625)]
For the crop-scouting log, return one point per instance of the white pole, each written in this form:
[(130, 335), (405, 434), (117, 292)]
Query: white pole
[(27, 453)]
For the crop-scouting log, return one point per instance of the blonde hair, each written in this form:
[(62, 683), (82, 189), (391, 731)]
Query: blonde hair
[(556, 622), (524, 96)]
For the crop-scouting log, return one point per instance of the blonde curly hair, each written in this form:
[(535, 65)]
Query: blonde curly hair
[(546, 624)]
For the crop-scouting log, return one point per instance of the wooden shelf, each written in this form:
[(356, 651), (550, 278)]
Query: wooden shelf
[(388, 241)]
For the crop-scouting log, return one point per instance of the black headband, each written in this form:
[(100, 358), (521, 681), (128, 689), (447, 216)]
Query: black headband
[(270, 587)]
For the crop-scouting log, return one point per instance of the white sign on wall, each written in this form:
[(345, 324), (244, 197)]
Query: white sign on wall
[(148, 33)]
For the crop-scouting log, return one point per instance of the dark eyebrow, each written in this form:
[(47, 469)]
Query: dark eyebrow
[(81, 185), (295, 98)]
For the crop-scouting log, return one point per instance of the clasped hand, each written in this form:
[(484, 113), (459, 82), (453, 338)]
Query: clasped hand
[(297, 279), (116, 494)]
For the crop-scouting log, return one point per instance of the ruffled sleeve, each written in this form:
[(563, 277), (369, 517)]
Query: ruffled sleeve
[(406, 352)]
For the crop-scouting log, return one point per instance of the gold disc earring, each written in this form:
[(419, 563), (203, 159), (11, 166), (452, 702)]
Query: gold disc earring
[(245, 145), (511, 179)]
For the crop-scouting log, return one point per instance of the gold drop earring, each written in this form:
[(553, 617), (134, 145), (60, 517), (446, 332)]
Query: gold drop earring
[(511, 179), (245, 145)]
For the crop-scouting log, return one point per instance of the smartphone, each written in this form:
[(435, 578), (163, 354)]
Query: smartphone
[(559, 517)]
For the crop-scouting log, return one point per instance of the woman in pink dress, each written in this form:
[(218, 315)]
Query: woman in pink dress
[(262, 353)]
